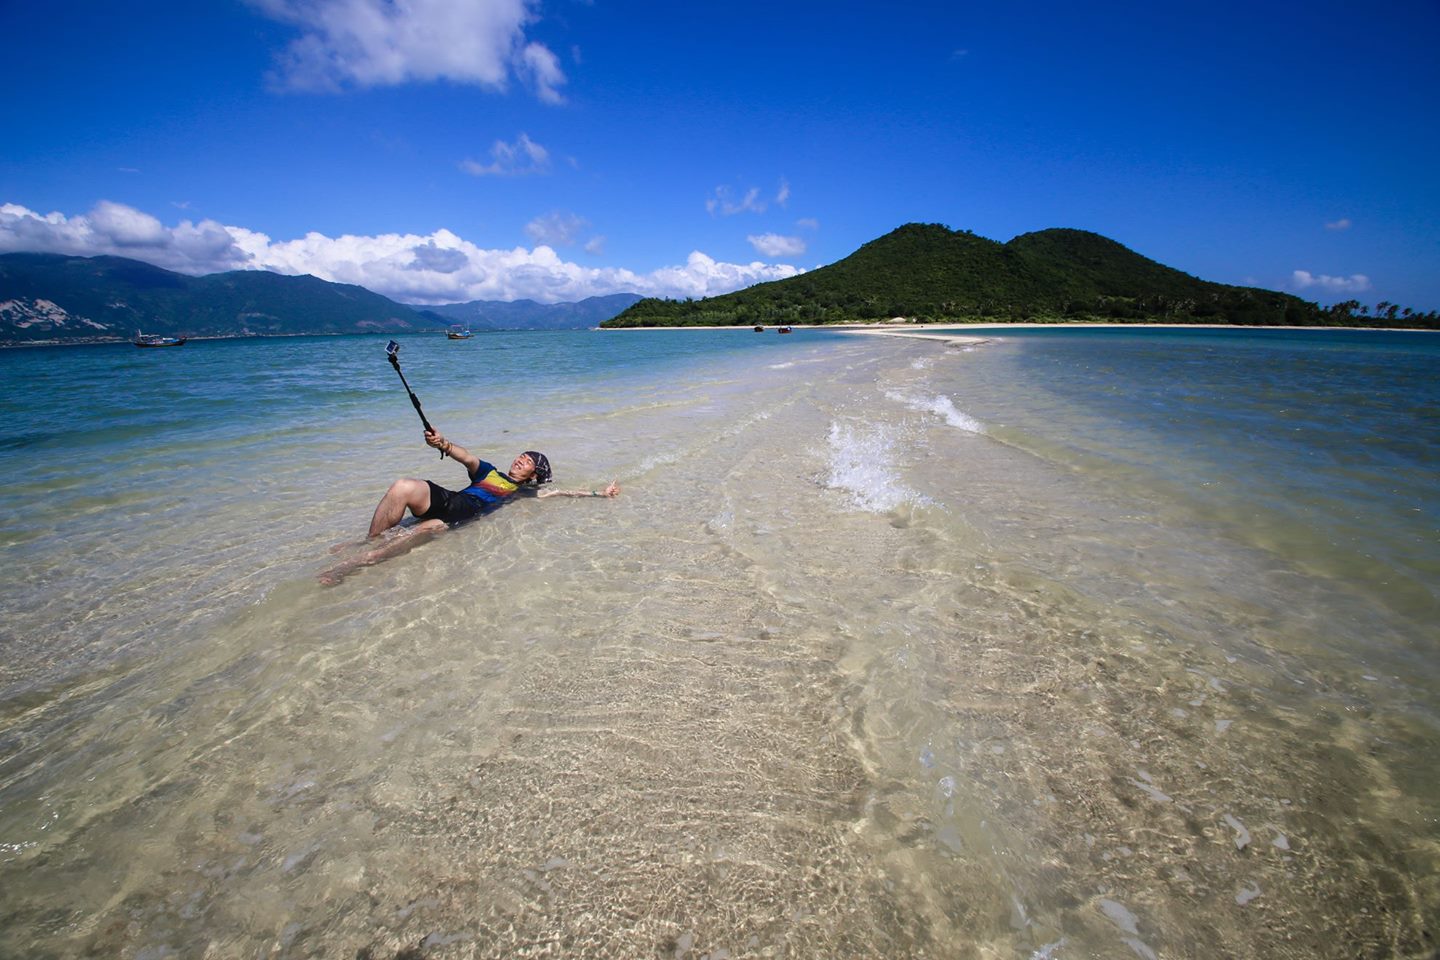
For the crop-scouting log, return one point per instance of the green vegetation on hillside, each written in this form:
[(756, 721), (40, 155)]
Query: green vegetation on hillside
[(928, 273)]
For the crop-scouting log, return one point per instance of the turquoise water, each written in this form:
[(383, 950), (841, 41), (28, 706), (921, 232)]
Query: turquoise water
[(1321, 445), (1063, 644)]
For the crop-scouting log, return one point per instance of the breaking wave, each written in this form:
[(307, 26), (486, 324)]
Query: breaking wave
[(941, 406), (861, 464)]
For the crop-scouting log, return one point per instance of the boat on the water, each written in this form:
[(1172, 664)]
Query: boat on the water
[(459, 332), (783, 330), (156, 340)]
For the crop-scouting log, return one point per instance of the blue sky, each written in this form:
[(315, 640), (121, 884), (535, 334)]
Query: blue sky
[(439, 150)]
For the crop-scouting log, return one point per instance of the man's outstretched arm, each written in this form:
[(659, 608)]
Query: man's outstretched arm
[(611, 490)]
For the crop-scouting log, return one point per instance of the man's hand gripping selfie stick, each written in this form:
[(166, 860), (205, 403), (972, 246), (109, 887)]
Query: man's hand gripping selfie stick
[(392, 350)]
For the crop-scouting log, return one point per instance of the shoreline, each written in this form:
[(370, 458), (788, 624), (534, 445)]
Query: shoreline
[(890, 329), (911, 328)]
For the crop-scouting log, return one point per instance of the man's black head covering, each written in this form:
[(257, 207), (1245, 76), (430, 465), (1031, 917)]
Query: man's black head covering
[(542, 467)]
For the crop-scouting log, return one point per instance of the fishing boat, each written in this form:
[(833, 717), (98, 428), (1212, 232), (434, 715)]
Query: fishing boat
[(759, 329), (459, 332), (783, 330), (156, 340)]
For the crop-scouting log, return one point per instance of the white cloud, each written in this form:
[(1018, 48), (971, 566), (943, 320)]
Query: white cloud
[(808, 223), (774, 245), (440, 267), (432, 256), (595, 245), (118, 230), (1342, 224), (370, 43), (725, 204), (1355, 283), (542, 68), (558, 227), (517, 159), (124, 226), (704, 277)]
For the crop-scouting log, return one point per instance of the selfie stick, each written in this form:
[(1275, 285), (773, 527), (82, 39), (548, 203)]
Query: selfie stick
[(392, 350)]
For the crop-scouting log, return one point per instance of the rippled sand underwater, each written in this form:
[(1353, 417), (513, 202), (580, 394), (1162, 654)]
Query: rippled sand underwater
[(840, 674)]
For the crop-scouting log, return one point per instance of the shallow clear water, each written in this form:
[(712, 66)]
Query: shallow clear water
[(1058, 646)]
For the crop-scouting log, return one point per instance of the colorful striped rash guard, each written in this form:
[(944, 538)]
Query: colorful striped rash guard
[(490, 485)]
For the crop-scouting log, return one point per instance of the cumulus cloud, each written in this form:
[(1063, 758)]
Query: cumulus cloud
[(370, 43), (1355, 283), (774, 245), (125, 226), (517, 159), (117, 230), (556, 228), (431, 256), (1342, 224), (702, 276), (440, 267)]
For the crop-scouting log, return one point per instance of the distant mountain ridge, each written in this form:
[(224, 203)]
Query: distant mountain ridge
[(930, 273), (54, 297), (47, 297), (531, 315)]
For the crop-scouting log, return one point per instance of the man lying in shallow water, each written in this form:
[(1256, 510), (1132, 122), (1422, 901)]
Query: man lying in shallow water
[(438, 508)]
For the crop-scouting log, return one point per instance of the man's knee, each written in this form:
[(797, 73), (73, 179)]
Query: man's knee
[(406, 488)]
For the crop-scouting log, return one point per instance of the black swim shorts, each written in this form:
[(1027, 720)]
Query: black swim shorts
[(450, 506)]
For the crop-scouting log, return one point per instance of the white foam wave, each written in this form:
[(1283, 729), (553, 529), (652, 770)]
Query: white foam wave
[(782, 366), (862, 465), (943, 407)]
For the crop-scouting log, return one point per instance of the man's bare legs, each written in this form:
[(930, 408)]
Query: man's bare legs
[(408, 493), (394, 543)]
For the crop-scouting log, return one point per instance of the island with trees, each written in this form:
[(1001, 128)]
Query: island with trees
[(928, 273)]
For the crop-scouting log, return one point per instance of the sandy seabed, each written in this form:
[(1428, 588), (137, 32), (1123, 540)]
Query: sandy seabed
[(838, 675)]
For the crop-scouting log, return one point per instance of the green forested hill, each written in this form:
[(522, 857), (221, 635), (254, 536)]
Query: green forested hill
[(929, 273)]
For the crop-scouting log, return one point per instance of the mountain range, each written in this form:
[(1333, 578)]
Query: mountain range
[(918, 272), (530, 315), (53, 298)]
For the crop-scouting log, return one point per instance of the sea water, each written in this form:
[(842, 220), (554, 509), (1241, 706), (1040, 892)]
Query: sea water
[(1055, 645)]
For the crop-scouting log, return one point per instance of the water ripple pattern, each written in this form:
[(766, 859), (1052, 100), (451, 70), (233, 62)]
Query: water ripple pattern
[(1061, 646)]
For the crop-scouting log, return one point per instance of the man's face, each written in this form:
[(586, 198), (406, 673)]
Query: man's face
[(522, 469)]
